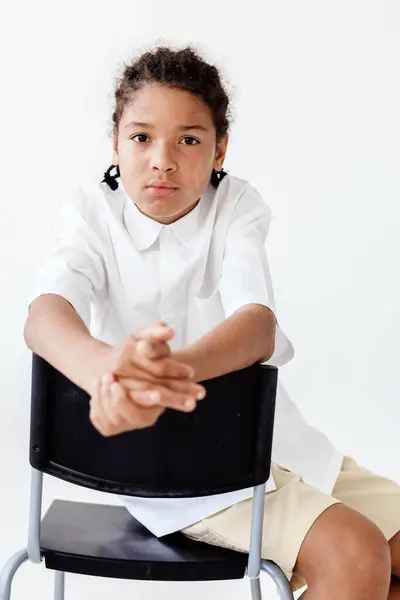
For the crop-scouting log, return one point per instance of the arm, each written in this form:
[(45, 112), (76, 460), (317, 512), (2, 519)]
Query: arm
[(54, 331), (249, 332), (244, 338), (68, 282), (65, 285)]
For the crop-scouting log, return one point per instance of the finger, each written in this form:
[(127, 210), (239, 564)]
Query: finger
[(134, 416), (106, 401), (131, 360), (149, 416), (152, 349), (157, 332), (165, 398), (165, 367), (124, 406), (187, 387), (96, 423), (96, 414)]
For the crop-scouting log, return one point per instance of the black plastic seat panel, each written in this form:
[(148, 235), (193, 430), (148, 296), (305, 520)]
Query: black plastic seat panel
[(105, 540)]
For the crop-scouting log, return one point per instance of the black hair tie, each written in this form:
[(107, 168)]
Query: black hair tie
[(217, 177), (111, 180)]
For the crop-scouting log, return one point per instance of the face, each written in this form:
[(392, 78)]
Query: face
[(166, 149)]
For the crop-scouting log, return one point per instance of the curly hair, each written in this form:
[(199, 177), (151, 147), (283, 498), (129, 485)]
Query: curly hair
[(181, 69)]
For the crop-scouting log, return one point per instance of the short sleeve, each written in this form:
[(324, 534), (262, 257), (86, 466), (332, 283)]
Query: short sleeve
[(74, 268), (245, 276)]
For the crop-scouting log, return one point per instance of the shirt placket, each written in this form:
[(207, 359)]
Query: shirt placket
[(170, 270)]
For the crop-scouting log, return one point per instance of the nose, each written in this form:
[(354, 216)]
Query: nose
[(163, 158)]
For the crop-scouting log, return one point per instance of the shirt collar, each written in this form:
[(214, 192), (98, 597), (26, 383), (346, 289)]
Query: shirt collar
[(144, 231), (187, 227)]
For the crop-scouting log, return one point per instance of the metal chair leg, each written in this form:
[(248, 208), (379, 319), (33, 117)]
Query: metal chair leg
[(284, 590), (255, 589), (59, 585), (8, 572)]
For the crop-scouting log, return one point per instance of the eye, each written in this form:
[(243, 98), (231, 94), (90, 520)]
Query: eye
[(193, 141), (140, 135)]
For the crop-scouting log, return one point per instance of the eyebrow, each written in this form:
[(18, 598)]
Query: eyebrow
[(182, 127)]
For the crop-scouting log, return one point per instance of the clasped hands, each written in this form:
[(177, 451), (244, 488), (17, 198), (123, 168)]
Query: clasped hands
[(141, 381)]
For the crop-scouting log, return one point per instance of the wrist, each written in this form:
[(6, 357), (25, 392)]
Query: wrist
[(190, 358), (97, 362)]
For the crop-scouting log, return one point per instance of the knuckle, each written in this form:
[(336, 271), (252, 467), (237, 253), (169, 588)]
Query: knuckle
[(177, 386)]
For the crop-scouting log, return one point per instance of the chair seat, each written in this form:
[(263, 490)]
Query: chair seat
[(104, 540)]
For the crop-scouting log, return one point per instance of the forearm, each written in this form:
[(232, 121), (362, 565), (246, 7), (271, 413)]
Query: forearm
[(246, 337), (55, 332)]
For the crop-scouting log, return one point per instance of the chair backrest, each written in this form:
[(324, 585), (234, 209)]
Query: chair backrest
[(223, 445)]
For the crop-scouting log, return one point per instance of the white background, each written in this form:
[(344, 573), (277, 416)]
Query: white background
[(316, 92)]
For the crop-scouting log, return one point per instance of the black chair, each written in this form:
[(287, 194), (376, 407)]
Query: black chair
[(224, 445)]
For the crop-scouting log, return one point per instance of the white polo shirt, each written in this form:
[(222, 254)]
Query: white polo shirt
[(121, 270)]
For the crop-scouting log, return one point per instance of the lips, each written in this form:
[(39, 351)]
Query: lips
[(158, 183), (160, 191)]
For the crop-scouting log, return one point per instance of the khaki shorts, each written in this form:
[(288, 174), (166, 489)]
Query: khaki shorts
[(292, 508)]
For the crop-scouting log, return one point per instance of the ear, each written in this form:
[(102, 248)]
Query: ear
[(115, 158), (221, 152)]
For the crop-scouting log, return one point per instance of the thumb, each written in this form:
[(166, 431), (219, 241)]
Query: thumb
[(153, 349), (158, 332)]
